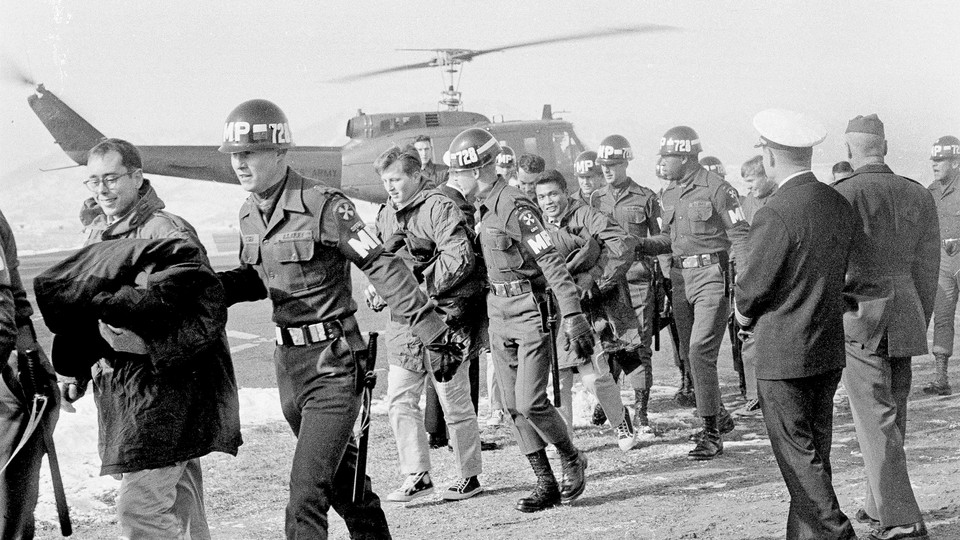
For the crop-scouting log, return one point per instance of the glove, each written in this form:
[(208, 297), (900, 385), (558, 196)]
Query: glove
[(374, 300), (122, 340), (578, 334), (445, 355)]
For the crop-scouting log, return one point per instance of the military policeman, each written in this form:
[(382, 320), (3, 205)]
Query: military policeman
[(427, 230), (521, 264), (701, 219), (714, 165), (297, 238), (946, 193), (507, 165), (636, 209), (600, 276), (590, 178)]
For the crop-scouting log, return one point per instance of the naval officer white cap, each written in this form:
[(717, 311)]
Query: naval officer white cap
[(781, 127)]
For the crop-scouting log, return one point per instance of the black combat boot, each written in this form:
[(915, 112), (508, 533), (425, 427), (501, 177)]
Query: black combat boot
[(725, 424), (546, 494), (574, 464), (685, 396), (940, 385), (642, 398), (710, 444), (599, 417)]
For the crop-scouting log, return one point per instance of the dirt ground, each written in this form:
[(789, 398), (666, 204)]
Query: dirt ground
[(652, 492)]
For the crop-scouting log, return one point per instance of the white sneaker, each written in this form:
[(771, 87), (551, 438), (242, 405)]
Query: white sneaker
[(415, 486), (626, 436), (496, 418)]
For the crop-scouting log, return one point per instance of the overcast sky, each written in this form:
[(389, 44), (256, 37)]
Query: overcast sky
[(168, 72)]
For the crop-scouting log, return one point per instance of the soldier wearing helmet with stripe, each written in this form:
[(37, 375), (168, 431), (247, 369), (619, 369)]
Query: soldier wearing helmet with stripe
[(590, 177), (298, 237), (522, 264), (636, 209), (507, 165), (702, 218), (945, 188)]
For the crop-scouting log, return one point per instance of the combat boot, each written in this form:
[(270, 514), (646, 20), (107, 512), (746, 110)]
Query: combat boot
[(599, 416), (642, 400), (940, 386), (574, 479), (546, 494), (710, 444), (685, 396)]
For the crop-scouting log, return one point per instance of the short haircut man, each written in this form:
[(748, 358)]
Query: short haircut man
[(528, 167), (841, 170)]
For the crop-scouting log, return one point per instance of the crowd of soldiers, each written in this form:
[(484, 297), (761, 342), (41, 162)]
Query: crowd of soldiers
[(493, 256)]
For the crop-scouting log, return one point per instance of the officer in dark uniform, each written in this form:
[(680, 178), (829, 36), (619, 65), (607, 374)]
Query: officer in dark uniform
[(637, 210), (298, 237), (701, 218), (521, 263), (946, 193), (436, 173)]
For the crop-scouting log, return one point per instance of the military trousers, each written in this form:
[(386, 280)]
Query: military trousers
[(701, 308), (799, 418), (318, 395), (945, 311), (521, 350), (642, 377), (163, 504), (878, 387)]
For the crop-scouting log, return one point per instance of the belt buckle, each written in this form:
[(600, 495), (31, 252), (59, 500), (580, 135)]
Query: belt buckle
[(690, 262), (705, 259), (297, 336), (499, 289), (317, 332), (515, 288)]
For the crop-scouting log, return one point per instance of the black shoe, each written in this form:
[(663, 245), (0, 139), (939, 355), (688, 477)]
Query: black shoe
[(574, 480), (599, 417), (544, 495), (863, 517), (686, 398), (708, 447), (725, 422), (438, 441), (486, 446)]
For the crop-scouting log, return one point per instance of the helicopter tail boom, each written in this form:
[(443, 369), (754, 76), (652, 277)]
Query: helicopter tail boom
[(74, 134)]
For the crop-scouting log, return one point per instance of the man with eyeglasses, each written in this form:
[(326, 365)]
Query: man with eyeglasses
[(161, 489)]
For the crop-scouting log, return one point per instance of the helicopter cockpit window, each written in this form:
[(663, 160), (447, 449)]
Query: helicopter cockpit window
[(566, 148)]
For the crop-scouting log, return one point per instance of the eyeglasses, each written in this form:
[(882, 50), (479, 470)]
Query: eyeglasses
[(110, 180)]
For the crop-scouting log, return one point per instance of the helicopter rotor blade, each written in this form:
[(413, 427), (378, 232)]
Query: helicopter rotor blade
[(607, 32), (465, 55), (358, 76)]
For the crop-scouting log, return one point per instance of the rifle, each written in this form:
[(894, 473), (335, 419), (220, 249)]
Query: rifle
[(548, 317), (733, 327), (366, 385), (37, 384), (656, 286)]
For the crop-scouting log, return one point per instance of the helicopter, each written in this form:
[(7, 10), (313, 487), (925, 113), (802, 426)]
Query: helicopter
[(350, 167)]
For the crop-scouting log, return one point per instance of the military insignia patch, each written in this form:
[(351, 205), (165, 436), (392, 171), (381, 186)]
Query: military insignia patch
[(346, 211)]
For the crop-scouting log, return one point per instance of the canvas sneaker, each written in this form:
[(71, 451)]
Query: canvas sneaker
[(496, 418), (415, 486), (750, 408), (464, 489), (626, 436)]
